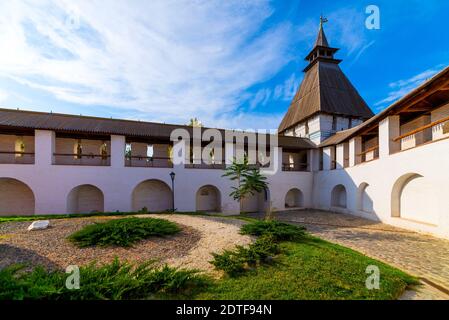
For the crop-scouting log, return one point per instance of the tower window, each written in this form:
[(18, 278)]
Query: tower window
[(350, 123), (334, 123), (307, 128)]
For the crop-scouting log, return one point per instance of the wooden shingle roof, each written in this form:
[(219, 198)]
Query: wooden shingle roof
[(12, 120), (325, 89)]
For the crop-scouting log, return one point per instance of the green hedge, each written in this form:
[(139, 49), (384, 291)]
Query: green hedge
[(112, 281), (280, 231), (122, 232)]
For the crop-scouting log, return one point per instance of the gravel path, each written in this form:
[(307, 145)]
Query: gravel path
[(217, 234), (191, 248)]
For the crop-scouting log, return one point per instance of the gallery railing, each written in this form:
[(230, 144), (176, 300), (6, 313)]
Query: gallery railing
[(16, 157)]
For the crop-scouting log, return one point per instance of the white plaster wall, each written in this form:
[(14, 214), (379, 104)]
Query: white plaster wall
[(52, 184), (431, 161)]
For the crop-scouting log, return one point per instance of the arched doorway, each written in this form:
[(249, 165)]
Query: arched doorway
[(208, 198), (364, 201), (294, 199), (154, 195), (338, 197), (415, 198), (85, 198), (16, 198), (257, 202)]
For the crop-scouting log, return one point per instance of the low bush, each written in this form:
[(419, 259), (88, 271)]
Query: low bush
[(280, 231), (235, 262), (122, 232), (112, 281)]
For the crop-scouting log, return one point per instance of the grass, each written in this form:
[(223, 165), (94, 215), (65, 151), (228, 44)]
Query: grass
[(312, 269), (123, 232), (117, 281)]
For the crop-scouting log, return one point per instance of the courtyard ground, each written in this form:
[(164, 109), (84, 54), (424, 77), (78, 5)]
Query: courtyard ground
[(191, 248), (421, 255)]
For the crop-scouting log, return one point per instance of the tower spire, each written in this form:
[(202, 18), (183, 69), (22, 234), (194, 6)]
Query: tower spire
[(321, 50), (321, 40)]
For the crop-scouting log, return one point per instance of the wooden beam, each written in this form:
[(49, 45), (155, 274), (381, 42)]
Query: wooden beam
[(424, 96)]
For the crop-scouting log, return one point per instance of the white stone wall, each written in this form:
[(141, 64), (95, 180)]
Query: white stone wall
[(51, 184), (416, 178)]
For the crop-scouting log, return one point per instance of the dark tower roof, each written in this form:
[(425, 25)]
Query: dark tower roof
[(325, 88), (321, 40)]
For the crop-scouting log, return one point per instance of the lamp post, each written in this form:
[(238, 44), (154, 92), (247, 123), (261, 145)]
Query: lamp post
[(172, 177)]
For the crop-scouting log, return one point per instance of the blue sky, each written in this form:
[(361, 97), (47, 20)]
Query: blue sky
[(232, 64)]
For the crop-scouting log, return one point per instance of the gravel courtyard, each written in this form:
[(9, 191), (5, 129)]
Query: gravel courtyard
[(191, 248)]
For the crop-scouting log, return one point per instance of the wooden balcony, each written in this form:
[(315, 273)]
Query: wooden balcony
[(295, 166), (16, 157), (74, 159), (441, 126), (369, 154), (148, 162)]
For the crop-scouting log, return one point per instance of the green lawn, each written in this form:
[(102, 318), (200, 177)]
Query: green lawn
[(312, 269)]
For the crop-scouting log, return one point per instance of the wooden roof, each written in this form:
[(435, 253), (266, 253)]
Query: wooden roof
[(428, 96), (325, 89), (321, 40), (19, 120)]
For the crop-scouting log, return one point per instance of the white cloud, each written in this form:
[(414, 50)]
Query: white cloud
[(3, 96), (170, 60), (401, 87), (261, 98)]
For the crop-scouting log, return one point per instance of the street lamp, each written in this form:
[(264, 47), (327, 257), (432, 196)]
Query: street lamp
[(172, 177)]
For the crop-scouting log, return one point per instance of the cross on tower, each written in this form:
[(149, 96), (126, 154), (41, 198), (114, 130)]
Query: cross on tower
[(323, 20)]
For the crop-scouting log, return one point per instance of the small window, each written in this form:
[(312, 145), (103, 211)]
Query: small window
[(321, 159), (128, 150), (334, 123), (104, 151), (307, 128), (350, 123), (150, 151), (19, 147), (78, 150)]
